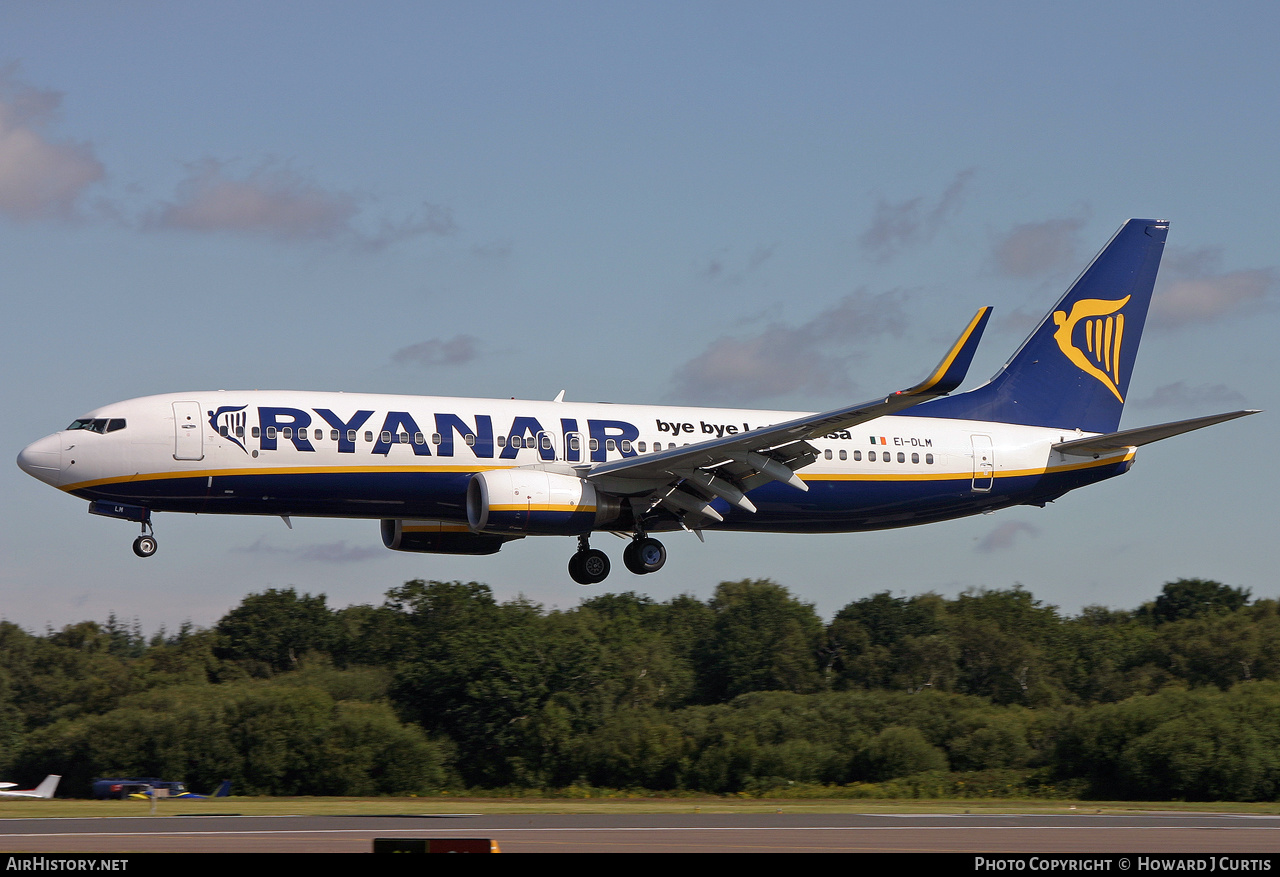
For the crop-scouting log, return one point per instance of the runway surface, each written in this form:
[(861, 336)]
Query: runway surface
[(1157, 833)]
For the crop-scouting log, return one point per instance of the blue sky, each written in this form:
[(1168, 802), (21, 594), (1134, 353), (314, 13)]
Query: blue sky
[(617, 200)]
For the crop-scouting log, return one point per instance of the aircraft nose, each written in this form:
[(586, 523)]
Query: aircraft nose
[(42, 459)]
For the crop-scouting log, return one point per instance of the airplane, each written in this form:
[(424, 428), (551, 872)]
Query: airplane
[(149, 787), (466, 476), (44, 790)]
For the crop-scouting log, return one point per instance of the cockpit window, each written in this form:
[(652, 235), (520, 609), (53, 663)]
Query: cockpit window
[(98, 424)]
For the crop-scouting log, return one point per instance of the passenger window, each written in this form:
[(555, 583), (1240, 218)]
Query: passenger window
[(871, 456), (502, 441), (319, 434), (827, 453), (368, 435), (610, 445), (928, 459), (351, 436), (915, 458), (435, 438), (575, 444), (470, 440), (222, 430), (641, 447), (902, 458), (626, 446), (517, 441), (385, 436), (271, 432), (255, 432), (333, 435), (404, 438), (857, 455), (546, 442), (240, 431), (844, 455), (594, 444)]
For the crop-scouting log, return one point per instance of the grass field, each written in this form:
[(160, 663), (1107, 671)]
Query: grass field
[(18, 809)]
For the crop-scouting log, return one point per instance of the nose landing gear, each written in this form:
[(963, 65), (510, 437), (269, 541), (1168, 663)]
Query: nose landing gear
[(144, 545)]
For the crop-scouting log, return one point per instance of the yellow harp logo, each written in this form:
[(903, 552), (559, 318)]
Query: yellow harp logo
[(1103, 333)]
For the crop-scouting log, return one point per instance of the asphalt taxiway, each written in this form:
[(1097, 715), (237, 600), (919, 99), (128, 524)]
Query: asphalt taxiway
[(1157, 833)]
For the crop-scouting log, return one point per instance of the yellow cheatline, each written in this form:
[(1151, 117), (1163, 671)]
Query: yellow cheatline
[(966, 474), (520, 507), (285, 470)]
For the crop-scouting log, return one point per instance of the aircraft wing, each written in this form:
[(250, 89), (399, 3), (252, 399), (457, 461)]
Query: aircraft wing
[(684, 480), (1132, 438)]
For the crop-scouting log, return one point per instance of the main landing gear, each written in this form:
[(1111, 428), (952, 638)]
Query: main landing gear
[(644, 555), (590, 566)]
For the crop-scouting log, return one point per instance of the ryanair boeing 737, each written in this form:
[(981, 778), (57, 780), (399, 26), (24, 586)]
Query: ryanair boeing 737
[(465, 476)]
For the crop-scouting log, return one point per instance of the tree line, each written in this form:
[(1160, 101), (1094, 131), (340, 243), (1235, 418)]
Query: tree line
[(442, 687)]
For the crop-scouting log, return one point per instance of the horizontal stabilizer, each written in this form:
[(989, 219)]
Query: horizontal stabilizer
[(1132, 438)]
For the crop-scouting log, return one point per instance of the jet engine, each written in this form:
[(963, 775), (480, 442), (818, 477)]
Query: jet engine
[(534, 501), (438, 537)]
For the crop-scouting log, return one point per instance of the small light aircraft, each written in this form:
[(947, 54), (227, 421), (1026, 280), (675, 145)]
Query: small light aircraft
[(466, 476), (44, 790)]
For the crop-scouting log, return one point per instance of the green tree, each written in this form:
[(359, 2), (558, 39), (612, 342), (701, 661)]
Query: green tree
[(274, 629), (761, 639), (1192, 598)]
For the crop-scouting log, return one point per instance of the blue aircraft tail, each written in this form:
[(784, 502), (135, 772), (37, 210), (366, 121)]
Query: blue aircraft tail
[(1073, 371)]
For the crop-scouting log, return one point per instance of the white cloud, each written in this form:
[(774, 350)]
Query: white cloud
[(1003, 536), (449, 351), (721, 268), (780, 359), (905, 223), (1182, 395), (269, 200), (318, 552), (1037, 248), (277, 202), (40, 178), (1194, 291)]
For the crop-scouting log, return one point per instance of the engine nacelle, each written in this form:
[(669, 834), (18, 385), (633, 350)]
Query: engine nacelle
[(535, 501), (438, 537)]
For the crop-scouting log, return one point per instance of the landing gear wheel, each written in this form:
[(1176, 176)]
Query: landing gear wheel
[(144, 546), (644, 556), (589, 567)]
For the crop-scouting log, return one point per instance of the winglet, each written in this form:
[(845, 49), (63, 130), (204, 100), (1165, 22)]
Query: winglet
[(955, 365)]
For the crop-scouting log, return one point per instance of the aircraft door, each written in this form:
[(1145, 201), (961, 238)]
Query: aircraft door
[(984, 463), (188, 431)]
